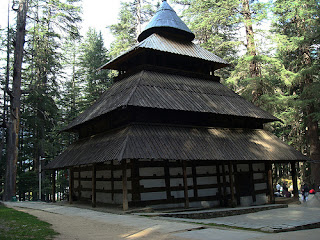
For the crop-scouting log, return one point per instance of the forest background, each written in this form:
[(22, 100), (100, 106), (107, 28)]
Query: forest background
[(273, 46)]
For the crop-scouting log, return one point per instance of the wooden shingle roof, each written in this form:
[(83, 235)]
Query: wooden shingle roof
[(163, 44), (174, 92), (160, 142)]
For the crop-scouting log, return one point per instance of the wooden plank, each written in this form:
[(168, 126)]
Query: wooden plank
[(194, 179), (177, 176), (294, 179), (167, 179), (71, 185), (54, 186), (219, 184), (176, 188), (125, 205), (185, 184), (233, 203), (94, 195), (235, 173), (254, 198)]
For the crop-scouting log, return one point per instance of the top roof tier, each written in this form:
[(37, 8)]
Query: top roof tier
[(167, 21)]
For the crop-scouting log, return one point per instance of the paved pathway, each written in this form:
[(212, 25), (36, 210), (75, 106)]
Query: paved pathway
[(291, 218), (91, 224)]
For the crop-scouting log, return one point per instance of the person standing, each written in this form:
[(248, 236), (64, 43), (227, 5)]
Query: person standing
[(305, 192)]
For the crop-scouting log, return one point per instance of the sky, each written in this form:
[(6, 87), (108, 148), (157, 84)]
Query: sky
[(96, 13)]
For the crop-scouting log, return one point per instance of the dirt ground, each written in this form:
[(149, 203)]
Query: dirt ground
[(81, 228)]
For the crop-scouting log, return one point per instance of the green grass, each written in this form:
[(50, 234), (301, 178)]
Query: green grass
[(20, 225)]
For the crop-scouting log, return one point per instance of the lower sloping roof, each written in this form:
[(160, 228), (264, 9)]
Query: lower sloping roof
[(141, 141), (157, 90)]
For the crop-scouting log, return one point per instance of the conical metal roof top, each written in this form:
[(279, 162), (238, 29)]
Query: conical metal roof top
[(167, 21)]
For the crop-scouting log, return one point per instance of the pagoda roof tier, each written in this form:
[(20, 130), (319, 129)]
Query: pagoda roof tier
[(158, 90), (166, 44), (167, 21), (172, 142)]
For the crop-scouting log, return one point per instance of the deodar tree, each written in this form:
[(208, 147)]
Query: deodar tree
[(297, 25), (14, 117)]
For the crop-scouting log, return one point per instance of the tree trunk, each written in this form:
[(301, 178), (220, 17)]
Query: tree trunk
[(14, 120), (254, 69), (314, 147)]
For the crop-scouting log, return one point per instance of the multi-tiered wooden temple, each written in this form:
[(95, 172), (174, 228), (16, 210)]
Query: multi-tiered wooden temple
[(167, 133)]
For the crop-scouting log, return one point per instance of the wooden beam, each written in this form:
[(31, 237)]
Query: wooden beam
[(71, 185), (125, 205), (94, 193), (54, 186), (294, 179), (185, 184), (254, 198), (167, 179), (233, 202), (268, 167)]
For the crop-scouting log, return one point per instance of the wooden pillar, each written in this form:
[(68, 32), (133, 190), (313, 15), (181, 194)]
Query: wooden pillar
[(167, 179), (185, 184), (79, 184), (54, 186), (125, 204), (194, 179), (294, 179), (225, 200), (93, 181), (71, 185), (253, 194), (235, 173), (112, 181), (270, 183), (233, 202), (135, 181), (219, 184)]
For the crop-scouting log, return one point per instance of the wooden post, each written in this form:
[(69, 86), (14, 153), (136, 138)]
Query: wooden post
[(233, 203), (124, 186), (235, 173), (294, 179), (270, 183), (135, 181), (94, 194), (54, 186), (71, 185), (225, 199), (167, 179), (219, 184), (79, 184), (194, 179), (185, 184), (112, 181), (253, 194)]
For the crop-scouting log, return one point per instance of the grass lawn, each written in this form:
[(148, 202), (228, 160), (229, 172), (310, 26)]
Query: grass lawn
[(20, 225)]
